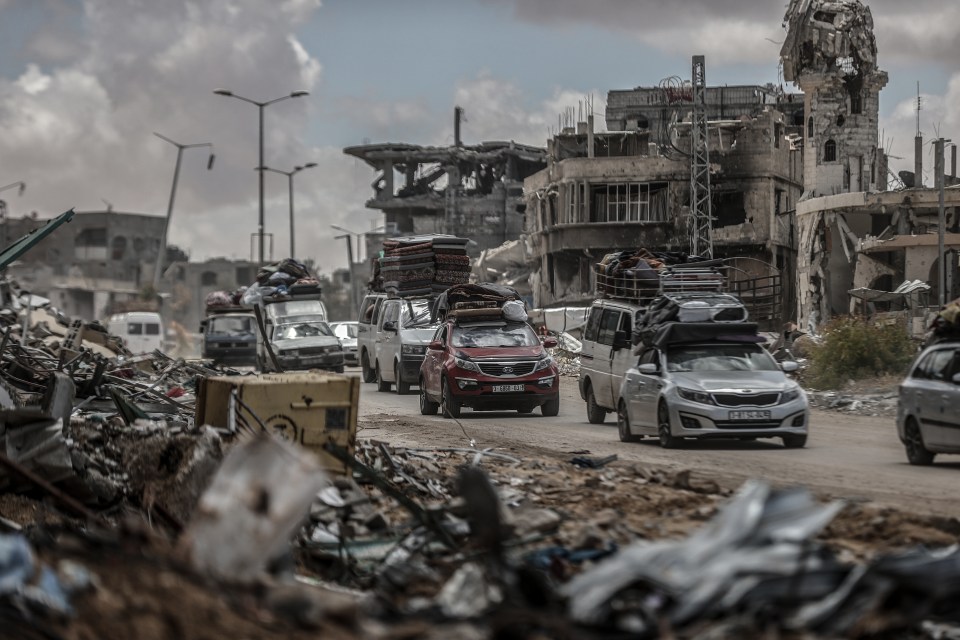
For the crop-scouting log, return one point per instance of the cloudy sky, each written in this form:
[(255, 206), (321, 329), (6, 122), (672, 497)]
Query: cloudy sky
[(85, 83)]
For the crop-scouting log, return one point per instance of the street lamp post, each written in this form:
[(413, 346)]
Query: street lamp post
[(260, 106), (290, 174), (173, 194), (353, 285)]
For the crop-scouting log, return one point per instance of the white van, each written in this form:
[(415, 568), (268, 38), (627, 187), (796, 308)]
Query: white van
[(606, 354), (141, 331)]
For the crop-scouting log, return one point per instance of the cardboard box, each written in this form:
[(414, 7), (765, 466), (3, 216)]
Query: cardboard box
[(308, 408)]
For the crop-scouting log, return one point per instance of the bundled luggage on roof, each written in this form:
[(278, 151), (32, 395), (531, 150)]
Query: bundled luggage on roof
[(480, 301), (421, 265)]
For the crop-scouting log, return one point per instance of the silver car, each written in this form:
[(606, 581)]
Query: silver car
[(928, 413), (347, 332), (711, 390)]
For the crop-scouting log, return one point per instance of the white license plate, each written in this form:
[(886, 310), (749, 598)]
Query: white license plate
[(506, 388), (749, 415)]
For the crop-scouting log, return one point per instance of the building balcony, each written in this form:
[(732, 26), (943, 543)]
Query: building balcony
[(591, 236)]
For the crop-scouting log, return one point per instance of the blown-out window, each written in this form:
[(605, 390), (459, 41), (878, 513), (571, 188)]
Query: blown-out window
[(830, 151)]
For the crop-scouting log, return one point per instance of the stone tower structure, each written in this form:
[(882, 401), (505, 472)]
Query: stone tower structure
[(831, 53)]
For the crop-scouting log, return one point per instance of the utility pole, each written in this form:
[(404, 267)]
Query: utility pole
[(354, 305), (941, 220), (700, 206)]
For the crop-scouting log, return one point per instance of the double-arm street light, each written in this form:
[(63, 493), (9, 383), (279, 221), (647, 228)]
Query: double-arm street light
[(173, 193), (260, 106), (290, 174), (19, 183)]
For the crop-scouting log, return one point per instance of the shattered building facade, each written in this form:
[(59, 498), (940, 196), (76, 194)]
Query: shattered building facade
[(471, 191), (99, 259), (853, 232), (629, 187)]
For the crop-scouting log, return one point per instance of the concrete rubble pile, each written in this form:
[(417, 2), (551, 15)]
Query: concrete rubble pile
[(449, 543)]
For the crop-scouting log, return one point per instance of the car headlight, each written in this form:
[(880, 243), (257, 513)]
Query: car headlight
[(290, 353), (543, 363), (695, 396), (467, 365), (789, 396), (413, 349)]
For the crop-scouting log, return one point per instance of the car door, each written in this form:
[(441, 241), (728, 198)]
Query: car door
[(588, 368), (935, 399), (621, 357), (951, 436), (646, 388), (603, 358), (432, 368), (387, 342)]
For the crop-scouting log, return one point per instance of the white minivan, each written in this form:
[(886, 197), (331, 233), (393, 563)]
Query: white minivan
[(606, 355), (141, 331)]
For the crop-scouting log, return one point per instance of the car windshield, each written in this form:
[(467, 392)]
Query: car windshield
[(719, 357), (343, 330), (231, 326), (295, 308), (416, 313), (511, 335), (302, 330)]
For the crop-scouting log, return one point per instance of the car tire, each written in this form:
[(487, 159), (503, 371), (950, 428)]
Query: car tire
[(551, 407), (595, 413), (795, 441), (917, 452), (427, 406), (403, 388), (366, 371), (450, 405), (667, 439), (623, 424), (382, 385)]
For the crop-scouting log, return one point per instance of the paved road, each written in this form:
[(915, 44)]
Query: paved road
[(852, 456)]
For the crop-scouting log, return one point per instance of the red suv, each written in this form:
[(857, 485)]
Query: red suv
[(488, 365)]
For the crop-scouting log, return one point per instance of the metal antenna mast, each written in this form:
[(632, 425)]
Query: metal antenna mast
[(700, 207)]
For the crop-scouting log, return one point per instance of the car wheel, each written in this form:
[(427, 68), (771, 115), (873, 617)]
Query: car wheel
[(595, 413), (402, 387), (382, 385), (368, 374), (917, 453), (795, 441), (667, 439), (427, 406), (451, 406), (623, 424), (551, 407)]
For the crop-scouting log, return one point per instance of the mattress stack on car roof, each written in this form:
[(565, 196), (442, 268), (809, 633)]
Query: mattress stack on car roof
[(421, 265)]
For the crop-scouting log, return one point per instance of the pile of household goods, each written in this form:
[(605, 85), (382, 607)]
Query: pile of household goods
[(480, 301), (421, 265), (217, 300), (635, 273), (280, 280), (946, 325)]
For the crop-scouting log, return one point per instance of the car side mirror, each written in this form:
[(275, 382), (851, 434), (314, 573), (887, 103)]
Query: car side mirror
[(649, 369), (436, 345), (550, 343), (789, 366), (621, 340), (389, 325)]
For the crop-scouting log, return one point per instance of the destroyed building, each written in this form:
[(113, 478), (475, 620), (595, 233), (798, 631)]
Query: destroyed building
[(99, 259), (189, 283), (470, 191), (630, 187), (854, 233)]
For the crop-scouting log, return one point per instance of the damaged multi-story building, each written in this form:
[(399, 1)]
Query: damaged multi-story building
[(630, 187), (854, 234), (470, 191)]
